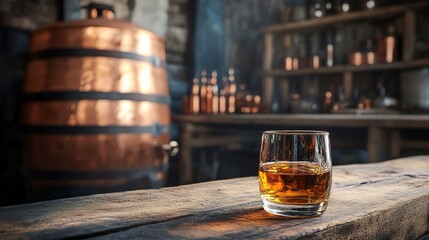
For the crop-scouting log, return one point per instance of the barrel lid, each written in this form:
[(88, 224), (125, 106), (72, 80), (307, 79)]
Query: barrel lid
[(97, 22)]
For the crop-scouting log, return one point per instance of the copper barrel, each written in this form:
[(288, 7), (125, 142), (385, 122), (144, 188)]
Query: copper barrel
[(95, 109)]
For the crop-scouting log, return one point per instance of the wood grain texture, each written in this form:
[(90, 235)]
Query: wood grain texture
[(388, 200)]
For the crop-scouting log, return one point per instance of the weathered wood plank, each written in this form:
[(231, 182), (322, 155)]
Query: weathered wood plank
[(388, 200)]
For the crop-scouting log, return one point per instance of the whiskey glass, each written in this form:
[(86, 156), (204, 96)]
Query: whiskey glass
[(295, 172)]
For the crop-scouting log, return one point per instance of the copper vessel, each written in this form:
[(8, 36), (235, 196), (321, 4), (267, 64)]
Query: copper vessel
[(95, 109)]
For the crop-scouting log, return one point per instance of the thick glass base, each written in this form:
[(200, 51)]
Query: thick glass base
[(295, 211)]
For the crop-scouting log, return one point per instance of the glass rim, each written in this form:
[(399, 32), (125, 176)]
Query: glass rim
[(296, 132)]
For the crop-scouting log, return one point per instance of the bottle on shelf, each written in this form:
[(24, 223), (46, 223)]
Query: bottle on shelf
[(243, 99), (215, 93), (327, 102), (330, 7), (369, 52), (330, 48), (203, 92), (345, 6), (316, 9), (388, 46), (357, 56), (316, 56), (209, 103), (222, 101), (231, 101), (194, 100), (288, 62), (369, 4), (296, 43), (256, 104)]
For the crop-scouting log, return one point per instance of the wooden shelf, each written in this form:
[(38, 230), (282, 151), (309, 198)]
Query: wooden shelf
[(350, 68), (384, 12)]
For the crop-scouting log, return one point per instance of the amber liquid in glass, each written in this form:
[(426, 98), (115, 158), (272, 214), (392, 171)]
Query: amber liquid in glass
[(294, 182)]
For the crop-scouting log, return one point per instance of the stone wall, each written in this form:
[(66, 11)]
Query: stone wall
[(28, 14), (152, 15)]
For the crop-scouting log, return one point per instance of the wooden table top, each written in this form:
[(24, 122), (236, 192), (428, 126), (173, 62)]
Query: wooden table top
[(334, 120), (387, 200)]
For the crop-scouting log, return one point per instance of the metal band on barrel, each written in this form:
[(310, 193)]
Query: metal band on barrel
[(90, 52), (131, 173), (94, 95), (155, 129)]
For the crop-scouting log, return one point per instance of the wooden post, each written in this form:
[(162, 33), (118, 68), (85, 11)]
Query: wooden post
[(409, 35), (348, 84), (185, 164), (268, 81), (284, 94), (394, 144), (376, 144)]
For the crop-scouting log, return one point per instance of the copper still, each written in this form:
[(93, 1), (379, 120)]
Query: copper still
[(95, 109)]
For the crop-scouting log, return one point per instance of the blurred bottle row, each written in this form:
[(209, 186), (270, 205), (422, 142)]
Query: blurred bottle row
[(321, 8), (207, 95), (335, 47)]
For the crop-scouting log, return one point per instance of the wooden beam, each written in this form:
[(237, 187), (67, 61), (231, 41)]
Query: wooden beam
[(376, 144), (383, 12), (185, 163), (415, 144), (395, 143), (406, 121), (348, 85)]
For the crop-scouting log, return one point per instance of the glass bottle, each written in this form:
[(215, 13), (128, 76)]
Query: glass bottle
[(330, 7), (195, 98), (387, 51), (316, 9), (344, 6), (330, 48), (203, 92), (232, 91), (215, 93), (369, 52)]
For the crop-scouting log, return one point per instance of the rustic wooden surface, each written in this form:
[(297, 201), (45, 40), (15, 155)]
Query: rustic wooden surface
[(388, 200)]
